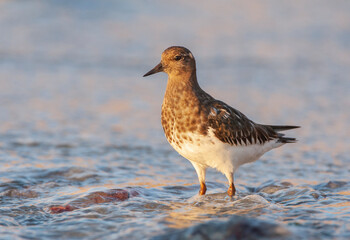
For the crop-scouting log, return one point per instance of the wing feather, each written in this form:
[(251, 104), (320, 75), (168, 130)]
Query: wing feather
[(233, 127)]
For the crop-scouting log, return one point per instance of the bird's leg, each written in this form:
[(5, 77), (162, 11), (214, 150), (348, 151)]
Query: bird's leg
[(231, 189), (200, 169), (203, 188)]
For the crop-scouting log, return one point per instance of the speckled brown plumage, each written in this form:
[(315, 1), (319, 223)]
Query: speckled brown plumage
[(201, 128), (182, 112)]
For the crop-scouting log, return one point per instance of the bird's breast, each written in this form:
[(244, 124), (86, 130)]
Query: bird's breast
[(182, 115)]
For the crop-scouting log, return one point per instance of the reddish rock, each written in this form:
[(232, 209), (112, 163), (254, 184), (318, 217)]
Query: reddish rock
[(96, 198), (110, 196), (60, 209)]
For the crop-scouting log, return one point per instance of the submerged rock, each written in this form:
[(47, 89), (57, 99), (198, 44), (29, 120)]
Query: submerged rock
[(330, 185), (61, 209), (16, 193), (237, 227), (99, 197)]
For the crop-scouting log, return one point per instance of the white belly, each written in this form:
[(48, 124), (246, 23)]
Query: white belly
[(211, 152)]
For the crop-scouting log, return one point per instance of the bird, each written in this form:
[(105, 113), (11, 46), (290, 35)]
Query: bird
[(206, 131)]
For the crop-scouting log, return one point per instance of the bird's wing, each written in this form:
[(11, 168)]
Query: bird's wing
[(233, 127)]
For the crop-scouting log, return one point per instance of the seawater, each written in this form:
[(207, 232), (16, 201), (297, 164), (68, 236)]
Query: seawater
[(77, 118)]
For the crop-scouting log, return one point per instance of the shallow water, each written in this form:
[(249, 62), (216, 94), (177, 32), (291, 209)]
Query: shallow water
[(77, 117)]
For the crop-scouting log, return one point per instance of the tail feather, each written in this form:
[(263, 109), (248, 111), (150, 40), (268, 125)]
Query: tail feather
[(287, 140), (281, 138), (279, 128)]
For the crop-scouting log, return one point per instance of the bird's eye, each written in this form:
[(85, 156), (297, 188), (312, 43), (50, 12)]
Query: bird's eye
[(177, 58)]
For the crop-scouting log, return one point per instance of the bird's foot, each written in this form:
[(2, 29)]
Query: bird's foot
[(231, 190)]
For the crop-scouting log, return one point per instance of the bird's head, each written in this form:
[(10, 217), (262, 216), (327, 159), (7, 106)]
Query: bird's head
[(175, 60)]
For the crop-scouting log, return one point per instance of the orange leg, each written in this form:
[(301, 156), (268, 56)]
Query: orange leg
[(203, 189), (200, 169), (231, 190)]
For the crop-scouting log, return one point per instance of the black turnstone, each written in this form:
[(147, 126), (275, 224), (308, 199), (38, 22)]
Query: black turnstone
[(206, 131)]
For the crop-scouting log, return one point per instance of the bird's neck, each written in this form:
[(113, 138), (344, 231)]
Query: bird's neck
[(185, 83), (183, 92)]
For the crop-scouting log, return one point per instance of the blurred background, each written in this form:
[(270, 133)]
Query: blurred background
[(76, 114)]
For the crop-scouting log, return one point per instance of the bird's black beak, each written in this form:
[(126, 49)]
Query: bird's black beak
[(156, 69)]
